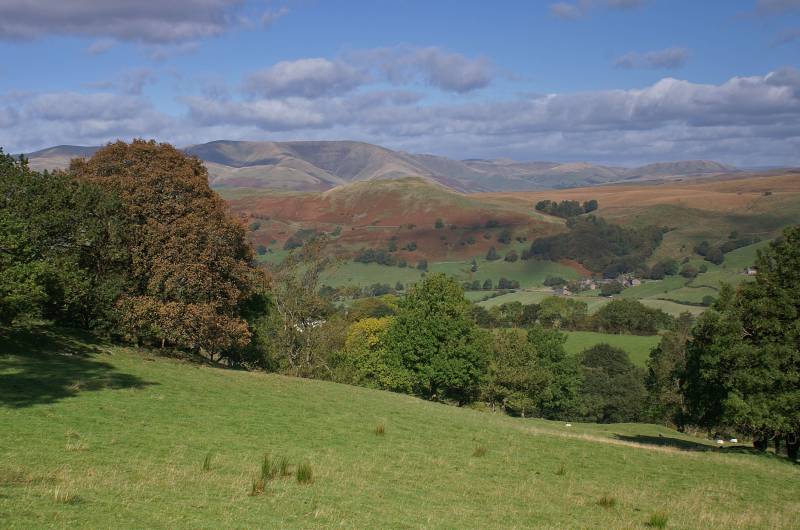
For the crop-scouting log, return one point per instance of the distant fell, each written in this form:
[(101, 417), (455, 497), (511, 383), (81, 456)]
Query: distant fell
[(323, 165)]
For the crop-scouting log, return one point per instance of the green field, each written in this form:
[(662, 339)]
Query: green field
[(638, 347), (528, 273), (99, 436)]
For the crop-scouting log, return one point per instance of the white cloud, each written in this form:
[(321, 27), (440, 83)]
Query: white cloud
[(305, 77)]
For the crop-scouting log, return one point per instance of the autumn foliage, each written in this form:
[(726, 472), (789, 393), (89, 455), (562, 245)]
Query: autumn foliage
[(190, 264)]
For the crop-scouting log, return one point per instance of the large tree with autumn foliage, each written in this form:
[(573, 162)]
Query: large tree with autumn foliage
[(191, 269)]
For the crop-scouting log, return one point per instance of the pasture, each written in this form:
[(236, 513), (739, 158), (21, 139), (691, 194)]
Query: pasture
[(101, 436)]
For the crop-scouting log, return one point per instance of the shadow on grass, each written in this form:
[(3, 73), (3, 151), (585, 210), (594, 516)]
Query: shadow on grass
[(686, 445), (43, 366)]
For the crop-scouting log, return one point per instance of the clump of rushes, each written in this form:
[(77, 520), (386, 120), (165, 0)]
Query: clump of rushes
[(283, 467), (304, 473), (561, 471), (257, 487), (479, 451), (607, 501), (269, 470), (658, 520), (64, 496), (380, 429)]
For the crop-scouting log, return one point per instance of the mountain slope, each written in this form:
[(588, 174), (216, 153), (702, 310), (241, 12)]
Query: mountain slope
[(101, 436), (322, 165)]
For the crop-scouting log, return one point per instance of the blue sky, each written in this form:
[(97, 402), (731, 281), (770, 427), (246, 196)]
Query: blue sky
[(611, 81)]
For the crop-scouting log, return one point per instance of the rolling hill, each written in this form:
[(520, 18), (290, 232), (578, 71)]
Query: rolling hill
[(319, 166), (371, 213), (102, 436)]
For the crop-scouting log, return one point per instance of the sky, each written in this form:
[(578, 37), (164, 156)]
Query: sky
[(622, 82)]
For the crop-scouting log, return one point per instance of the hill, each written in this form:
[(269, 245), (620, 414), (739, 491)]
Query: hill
[(99, 436), (322, 165), (371, 213)]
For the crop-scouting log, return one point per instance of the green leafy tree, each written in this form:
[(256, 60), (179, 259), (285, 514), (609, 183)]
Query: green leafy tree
[(626, 315), (612, 388), (63, 249), (492, 254), (743, 366), (438, 341), (665, 367), (559, 398), (515, 381)]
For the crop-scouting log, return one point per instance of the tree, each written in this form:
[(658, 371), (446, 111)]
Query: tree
[(689, 271), (505, 236), (611, 288), (715, 256), (191, 265), (422, 265), (511, 256), (492, 255), (560, 397), (612, 388), (474, 266), (515, 381), (665, 367), (438, 341), (554, 281), (364, 359), (625, 315), (743, 366), (261, 250), (487, 285), (560, 312), (590, 206), (63, 248), (439, 224)]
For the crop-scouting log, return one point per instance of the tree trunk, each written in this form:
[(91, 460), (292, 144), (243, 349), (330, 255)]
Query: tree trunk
[(792, 447), (761, 445), (777, 445)]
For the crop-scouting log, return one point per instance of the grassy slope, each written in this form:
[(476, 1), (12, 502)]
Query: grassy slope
[(528, 273), (122, 436), (638, 347)]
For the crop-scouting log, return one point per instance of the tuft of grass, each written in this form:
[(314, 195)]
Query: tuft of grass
[(257, 487), (269, 468), (62, 495), (658, 520), (305, 475), (207, 462), (561, 471), (607, 501), (380, 429), (479, 451), (284, 469)]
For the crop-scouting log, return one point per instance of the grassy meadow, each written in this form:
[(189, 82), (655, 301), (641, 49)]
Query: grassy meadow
[(101, 436)]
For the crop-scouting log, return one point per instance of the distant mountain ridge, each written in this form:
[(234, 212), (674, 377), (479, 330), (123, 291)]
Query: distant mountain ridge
[(322, 165)]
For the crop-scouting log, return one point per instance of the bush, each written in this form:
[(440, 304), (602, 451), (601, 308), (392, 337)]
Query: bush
[(689, 271), (554, 281)]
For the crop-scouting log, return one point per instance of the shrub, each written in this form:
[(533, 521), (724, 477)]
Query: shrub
[(305, 474), (554, 281)]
